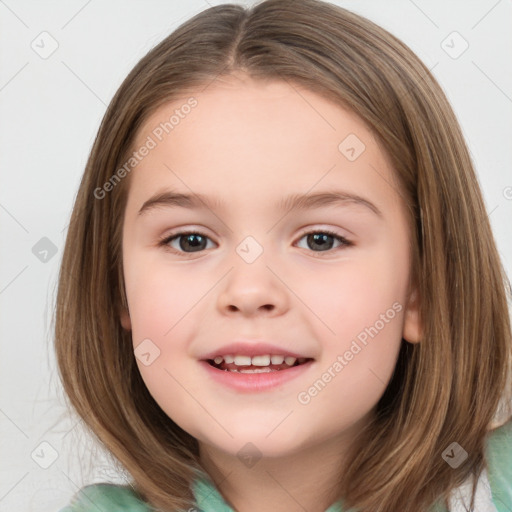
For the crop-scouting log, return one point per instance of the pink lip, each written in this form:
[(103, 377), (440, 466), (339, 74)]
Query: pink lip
[(255, 382), (247, 348)]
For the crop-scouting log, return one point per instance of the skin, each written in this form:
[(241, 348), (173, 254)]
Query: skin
[(250, 144)]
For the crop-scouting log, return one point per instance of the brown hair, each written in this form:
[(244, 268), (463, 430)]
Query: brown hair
[(445, 388)]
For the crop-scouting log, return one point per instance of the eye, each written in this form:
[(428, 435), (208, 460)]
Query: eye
[(323, 239), (186, 239), (196, 241)]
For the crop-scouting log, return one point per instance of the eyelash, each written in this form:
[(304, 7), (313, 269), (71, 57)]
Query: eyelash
[(165, 241)]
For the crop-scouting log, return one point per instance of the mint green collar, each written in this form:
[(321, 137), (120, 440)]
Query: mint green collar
[(209, 499)]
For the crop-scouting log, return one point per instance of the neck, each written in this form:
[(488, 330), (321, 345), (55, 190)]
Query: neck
[(307, 479)]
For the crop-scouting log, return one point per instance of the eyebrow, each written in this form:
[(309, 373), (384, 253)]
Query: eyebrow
[(172, 199)]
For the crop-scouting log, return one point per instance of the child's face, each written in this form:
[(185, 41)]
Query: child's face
[(250, 146)]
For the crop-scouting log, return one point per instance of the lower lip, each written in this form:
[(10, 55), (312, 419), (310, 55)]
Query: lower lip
[(255, 382)]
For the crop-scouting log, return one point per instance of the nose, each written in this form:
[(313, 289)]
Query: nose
[(253, 289)]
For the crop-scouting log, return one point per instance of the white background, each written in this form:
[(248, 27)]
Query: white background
[(50, 111)]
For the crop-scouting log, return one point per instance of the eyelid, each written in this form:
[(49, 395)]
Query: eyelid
[(182, 232), (321, 229)]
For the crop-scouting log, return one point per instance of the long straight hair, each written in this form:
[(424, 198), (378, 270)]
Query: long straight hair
[(449, 387)]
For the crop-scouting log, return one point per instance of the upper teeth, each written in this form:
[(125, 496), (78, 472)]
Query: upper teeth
[(263, 360)]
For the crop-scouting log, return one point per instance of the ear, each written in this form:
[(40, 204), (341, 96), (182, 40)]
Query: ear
[(125, 319), (412, 322)]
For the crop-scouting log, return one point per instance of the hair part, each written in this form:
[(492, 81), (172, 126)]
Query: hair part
[(447, 387)]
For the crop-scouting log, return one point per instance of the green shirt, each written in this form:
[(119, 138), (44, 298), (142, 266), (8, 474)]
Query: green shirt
[(117, 498)]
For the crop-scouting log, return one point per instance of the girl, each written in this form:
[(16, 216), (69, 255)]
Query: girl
[(336, 336)]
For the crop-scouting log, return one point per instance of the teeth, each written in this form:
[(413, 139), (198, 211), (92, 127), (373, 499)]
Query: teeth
[(243, 360), (261, 360)]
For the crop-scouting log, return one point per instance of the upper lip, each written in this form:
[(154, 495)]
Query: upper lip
[(250, 348)]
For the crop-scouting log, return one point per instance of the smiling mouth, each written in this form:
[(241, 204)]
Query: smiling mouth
[(241, 368)]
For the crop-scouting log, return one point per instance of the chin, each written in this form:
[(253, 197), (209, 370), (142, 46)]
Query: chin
[(259, 444)]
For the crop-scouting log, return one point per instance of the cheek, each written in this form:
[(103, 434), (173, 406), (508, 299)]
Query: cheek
[(361, 309), (356, 294), (361, 331), (163, 309), (160, 298), (162, 316)]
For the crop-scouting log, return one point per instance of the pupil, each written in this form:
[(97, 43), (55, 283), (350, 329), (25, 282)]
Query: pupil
[(320, 239), (190, 240)]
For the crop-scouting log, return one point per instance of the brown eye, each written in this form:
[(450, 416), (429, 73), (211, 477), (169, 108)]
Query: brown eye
[(322, 241), (188, 242)]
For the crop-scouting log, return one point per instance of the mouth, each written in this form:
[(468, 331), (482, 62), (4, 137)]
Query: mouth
[(256, 364)]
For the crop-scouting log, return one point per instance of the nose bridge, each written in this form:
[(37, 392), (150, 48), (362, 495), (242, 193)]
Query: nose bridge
[(251, 285), (251, 249), (250, 264)]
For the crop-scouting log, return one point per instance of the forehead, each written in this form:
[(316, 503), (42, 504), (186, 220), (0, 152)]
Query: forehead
[(239, 90), (239, 106), (257, 137)]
